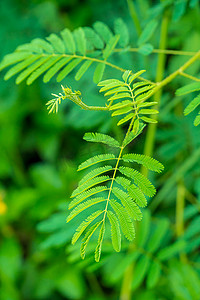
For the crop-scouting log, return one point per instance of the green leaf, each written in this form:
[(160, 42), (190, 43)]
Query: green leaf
[(20, 66), (148, 111), (98, 73), (89, 184), (79, 208), (103, 30), (146, 49), (197, 120), (121, 104), (57, 67), (44, 45), (116, 90), (126, 75), (124, 219), (31, 69), (189, 88), (81, 228), (147, 32), (30, 47), (109, 82), (171, 250), (87, 238), (68, 40), (13, 58), (119, 96), (96, 159), (148, 120), (143, 89), (86, 194), (51, 61), (122, 111), (146, 104), (68, 69), (123, 181), (179, 9), (115, 231), (137, 195), (122, 30), (110, 46), (143, 183), (80, 40), (99, 244), (57, 43), (83, 69), (131, 136), (136, 75), (126, 118), (111, 86), (101, 138), (140, 270), (94, 173), (93, 38), (193, 104), (153, 274), (128, 203), (147, 161), (136, 126), (158, 235)]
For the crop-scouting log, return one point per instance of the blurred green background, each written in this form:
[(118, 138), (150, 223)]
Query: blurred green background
[(39, 155)]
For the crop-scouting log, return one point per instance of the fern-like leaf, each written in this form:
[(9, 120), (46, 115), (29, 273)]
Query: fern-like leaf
[(81, 228), (87, 238), (84, 195), (189, 88), (87, 185), (115, 231), (146, 161), (124, 219), (94, 173), (137, 195), (124, 182), (96, 159), (79, 208), (101, 138), (69, 47), (193, 104), (143, 183), (99, 244), (128, 203)]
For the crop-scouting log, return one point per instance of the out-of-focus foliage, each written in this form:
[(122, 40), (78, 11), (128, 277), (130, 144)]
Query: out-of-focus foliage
[(39, 155)]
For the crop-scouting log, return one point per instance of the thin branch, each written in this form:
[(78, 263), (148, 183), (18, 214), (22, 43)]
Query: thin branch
[(163, 51), (189, 76)]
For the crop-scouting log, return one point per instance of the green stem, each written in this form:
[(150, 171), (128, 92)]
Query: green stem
[(95, 60), (180, 203), (161, 51), (180, 199), (134, 16), (126, 284), (189, 76), (150, 137)]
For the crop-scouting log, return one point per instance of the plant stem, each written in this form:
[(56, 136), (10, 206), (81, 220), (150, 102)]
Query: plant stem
[(180, 202), (126, 287), (189, 76), (180, 199), (150, 137), (163, 51), (126, 284), (134, 16)]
